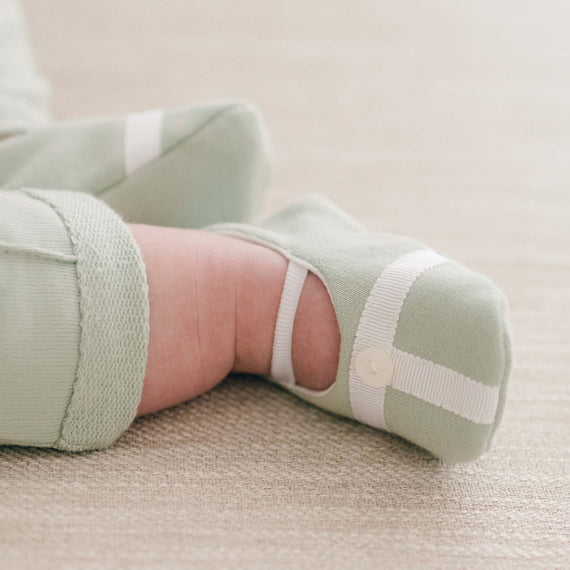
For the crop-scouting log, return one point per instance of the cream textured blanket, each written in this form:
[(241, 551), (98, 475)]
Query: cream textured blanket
[(445, 121)]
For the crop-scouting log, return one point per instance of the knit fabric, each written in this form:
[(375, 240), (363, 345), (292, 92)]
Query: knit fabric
[(74, 288)]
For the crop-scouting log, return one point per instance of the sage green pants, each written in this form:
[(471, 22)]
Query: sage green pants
[(23, 92), (73, 292), (73, 321)]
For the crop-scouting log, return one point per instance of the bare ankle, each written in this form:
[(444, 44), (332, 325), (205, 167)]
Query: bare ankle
[(316, 337), (258, 292), (191, 343)]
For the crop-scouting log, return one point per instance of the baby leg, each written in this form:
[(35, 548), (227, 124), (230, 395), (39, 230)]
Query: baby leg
[(213, 307)]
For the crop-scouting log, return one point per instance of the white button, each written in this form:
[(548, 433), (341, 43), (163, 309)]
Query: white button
[(375, 367)]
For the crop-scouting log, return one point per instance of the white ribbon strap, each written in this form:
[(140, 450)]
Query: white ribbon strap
[(143, 133), (445, 388), (281, 363)]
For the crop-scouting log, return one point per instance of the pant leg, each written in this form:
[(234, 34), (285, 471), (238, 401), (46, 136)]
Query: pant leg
[(73, 321), (23, 92)]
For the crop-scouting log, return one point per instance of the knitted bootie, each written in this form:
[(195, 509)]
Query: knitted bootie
[(185, 167), (425, 343)]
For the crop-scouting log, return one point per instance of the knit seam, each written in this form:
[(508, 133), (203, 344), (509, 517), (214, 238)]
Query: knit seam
[(38, 254), (69, 231)]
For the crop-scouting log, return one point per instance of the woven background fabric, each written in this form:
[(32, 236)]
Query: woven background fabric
[(444, 121)]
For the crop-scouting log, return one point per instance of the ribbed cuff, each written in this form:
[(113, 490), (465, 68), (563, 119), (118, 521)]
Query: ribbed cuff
[(114, 321)]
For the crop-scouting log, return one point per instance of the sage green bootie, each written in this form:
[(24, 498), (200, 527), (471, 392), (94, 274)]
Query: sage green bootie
[(186, 167), (425, 345)]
